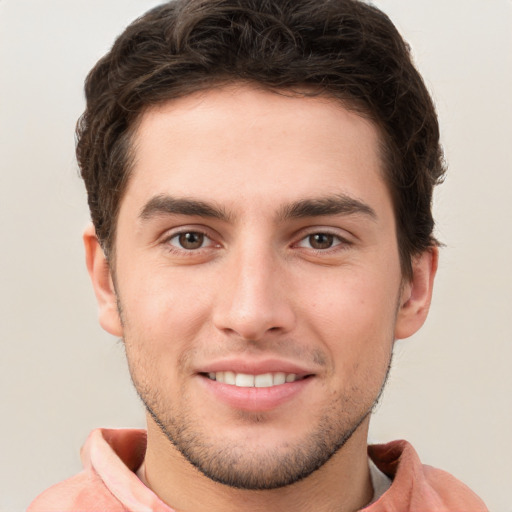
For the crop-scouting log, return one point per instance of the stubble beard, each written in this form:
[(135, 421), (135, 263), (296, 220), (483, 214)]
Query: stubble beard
[(236, 465), (243, 466)]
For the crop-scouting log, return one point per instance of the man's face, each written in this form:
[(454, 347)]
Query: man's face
[(256, 246)]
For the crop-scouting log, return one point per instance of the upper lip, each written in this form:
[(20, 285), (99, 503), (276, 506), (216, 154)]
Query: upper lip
[(253, 367)]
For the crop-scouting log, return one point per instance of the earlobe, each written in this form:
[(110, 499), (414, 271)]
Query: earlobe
[(417, 294), (101, 278)]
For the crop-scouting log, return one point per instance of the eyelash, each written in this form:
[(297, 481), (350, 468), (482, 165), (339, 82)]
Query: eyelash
[(339, 243), (182, 250)]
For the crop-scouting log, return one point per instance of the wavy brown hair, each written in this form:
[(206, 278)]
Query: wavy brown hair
[(344, 49)]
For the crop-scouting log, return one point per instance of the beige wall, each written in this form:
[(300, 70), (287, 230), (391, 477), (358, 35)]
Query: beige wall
[(60, 375)]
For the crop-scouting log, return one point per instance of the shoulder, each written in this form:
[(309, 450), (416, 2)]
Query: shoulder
[(453, 492), (109, 458), (83, 492), (417, 486)]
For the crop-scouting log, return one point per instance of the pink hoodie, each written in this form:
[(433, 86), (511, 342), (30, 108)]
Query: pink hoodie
[(109, 483)]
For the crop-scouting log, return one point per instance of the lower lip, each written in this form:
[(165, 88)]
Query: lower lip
[(255, 399)]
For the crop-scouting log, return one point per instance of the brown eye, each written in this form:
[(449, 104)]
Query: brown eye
[(321, 240), (191, 240)]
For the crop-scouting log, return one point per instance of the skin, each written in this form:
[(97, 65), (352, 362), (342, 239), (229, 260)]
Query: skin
[(269, 276)]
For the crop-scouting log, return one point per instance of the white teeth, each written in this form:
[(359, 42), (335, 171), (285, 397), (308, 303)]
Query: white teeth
[(280, 378), (263, 381), (230, 378), (245, 380)]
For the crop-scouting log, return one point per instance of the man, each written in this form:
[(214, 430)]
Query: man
[(260, 176)]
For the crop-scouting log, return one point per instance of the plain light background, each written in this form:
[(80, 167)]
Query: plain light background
[(450, 392)]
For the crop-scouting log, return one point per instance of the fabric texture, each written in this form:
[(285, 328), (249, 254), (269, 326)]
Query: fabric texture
[(112, 457), (380, 481)]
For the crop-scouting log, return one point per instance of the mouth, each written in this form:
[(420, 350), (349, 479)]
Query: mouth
[(255, 385), (247, 380), (255, 392)]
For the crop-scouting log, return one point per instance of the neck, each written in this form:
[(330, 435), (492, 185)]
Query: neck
[(342, 484)]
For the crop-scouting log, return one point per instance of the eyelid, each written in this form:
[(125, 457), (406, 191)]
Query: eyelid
[(343, 239), (337, 241), (176, 232)]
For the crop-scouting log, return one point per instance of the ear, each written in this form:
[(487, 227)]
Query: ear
[(417, 294), (99, 272)]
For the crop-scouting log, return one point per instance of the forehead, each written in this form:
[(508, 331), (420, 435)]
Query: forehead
[(240, 143)]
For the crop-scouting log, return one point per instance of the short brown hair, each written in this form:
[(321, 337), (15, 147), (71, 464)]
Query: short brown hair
[(345, 49)]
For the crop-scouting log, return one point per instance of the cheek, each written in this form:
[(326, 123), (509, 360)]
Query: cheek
[(162, 315), (354, 315)]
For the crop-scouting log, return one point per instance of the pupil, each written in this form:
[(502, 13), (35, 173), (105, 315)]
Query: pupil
[(191, 240), (321, 240)]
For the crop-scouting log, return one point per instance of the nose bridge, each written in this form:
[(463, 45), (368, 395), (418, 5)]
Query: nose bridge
[(253, 300)]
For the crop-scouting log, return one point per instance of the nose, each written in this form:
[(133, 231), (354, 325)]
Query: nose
[(253, 298)]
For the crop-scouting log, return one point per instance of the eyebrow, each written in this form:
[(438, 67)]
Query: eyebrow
[(168, 205), (339, 204)]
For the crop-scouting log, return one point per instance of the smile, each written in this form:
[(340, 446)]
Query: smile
[(246, 380)]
